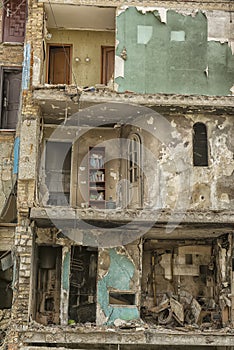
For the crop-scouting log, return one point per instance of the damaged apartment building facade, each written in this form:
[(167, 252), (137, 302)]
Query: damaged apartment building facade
[(116, 175)]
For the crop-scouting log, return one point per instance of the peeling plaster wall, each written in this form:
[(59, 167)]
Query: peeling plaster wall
[(174, 53), (6, 166), (118, 270), (171, 180), (84, 43)]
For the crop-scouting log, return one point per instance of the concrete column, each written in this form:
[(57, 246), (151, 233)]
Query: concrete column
[(65, 284)]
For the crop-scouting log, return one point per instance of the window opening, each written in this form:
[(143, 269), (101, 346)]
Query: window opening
[(200, 148), (188, 259), (58, 172), (134, 158), (121, 298)]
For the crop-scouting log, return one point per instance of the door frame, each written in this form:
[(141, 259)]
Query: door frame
[(9, 69), (139, 183), (48, 60), (102, 60)]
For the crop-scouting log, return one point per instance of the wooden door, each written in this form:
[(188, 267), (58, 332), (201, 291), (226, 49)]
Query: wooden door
[(10, 98), (108, 59), (59, 65), (14, 18)]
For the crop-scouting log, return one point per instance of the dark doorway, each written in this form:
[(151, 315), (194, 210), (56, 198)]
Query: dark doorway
[(59, 64), (14, 18), (108, 59), (83, 279), (48, 284), (11, 88), (6, 274)]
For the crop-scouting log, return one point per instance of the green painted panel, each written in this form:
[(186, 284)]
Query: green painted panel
[(66, 271), (158, 64), (119, 276)]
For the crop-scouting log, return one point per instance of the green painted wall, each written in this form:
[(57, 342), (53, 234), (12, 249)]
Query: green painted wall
[(162, 65), (66, 271), (119, 276)]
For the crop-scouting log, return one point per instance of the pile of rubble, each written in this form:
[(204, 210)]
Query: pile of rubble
[(183, 310), (5, 316)]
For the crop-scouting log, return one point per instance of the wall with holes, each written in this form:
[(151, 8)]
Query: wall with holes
[(169, 177)]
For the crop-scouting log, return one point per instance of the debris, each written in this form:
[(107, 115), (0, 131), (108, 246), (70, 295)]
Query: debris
[(178, 310), (118, 322), (195, 310)]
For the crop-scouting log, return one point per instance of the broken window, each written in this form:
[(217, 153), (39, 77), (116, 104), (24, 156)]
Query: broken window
[(14, 18), (83, 279), (48, 284), (6, 273), (11, 88), (200, 147), (58, 171)]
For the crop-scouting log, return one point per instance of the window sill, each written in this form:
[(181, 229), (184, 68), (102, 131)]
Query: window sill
[(6, 43), (8, 130)]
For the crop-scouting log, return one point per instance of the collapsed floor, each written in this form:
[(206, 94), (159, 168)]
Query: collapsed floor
[(187, 283), (180, 283)]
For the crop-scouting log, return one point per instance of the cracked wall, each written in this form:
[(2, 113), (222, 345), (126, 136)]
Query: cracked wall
[(171, 178), (6, 167), (175, 52)]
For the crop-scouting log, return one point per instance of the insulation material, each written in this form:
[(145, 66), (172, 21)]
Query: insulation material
[(119, 67)]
